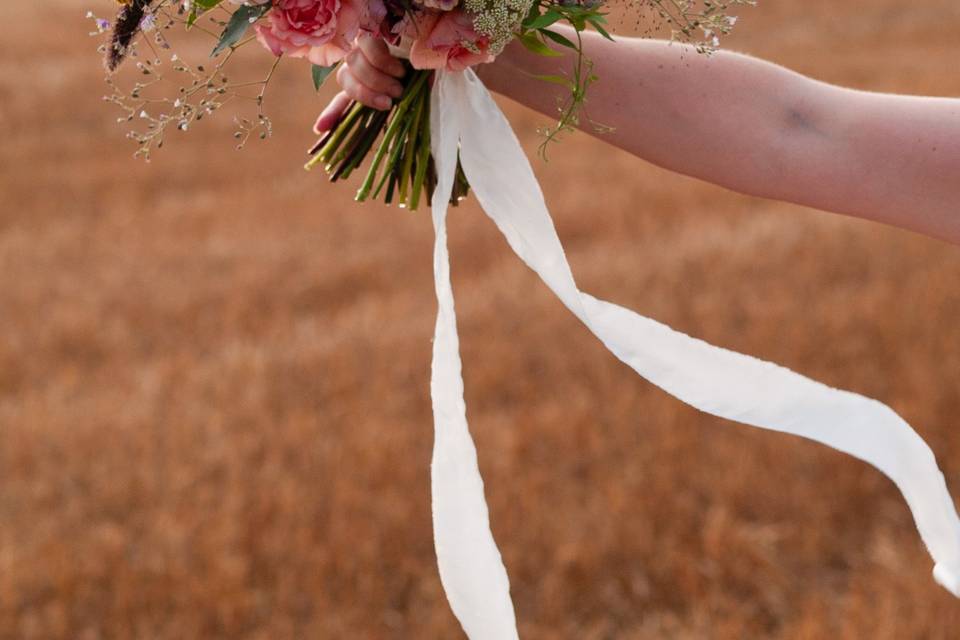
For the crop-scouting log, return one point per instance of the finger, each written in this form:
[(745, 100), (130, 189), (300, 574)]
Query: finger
[(361, 92), (378, 55), (365, 72), (332, 113)]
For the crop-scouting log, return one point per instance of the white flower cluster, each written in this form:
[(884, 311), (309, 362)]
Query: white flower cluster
[(497, 20)]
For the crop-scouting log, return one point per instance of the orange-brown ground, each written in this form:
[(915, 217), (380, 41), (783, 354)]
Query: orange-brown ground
[(214, 412)]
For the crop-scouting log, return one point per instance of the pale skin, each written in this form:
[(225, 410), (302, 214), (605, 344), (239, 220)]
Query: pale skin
[(735, 121)]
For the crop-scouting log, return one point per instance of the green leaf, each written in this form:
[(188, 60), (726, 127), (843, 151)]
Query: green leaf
[(320, 74), (533, 12), (597, 25), (534, 44), (240, 21), (544, 20), (199, 7), (559, 39)]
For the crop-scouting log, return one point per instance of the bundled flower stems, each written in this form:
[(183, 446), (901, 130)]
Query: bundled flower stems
[(401, 168)]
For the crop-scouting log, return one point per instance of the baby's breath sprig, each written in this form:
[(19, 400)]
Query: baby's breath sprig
[(203, 89), (696, 22), (262, 125)]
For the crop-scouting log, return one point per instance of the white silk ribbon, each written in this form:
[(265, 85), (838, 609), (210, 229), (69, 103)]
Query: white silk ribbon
[(724, 383)]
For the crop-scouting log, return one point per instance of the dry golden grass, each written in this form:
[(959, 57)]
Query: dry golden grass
[(214, 412)]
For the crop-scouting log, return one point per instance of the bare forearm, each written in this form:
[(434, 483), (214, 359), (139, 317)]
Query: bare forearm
[(665, 103), (760, 129)]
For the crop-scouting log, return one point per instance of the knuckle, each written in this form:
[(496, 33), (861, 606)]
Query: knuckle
[(381, 82), (353, 90), (379, 57), (368, 43), (351, 58), (366, 94), (369, 96), (376, 80), (364, 70)]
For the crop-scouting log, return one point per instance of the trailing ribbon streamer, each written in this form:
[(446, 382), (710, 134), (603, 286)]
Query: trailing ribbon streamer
[(723, 383), (471, 570)]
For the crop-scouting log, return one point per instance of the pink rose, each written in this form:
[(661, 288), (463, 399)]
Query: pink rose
[(447, 40), (322, 31), (442, 5)]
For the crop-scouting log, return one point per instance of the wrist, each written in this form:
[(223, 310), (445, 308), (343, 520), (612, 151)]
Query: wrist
[(487, 72), (492, 73)]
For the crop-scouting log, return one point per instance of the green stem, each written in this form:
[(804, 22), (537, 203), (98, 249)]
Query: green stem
[(392, 129), (337, 156), (356, 157), (334, 143), (391, 187), (396, 147), (356, 118), (410, 152), (422, 160)]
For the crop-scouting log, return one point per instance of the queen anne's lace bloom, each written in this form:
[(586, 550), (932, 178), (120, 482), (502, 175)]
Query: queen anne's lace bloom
[(497, 20)]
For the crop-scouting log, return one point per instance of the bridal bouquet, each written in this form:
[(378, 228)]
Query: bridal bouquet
[(451, 35), (445, 134)]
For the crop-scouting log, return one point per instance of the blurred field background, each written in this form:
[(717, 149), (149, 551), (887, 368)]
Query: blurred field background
[(214, 410)]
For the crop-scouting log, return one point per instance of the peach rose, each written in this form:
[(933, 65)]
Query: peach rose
[(447, 40), (321, 31), (442, 5)]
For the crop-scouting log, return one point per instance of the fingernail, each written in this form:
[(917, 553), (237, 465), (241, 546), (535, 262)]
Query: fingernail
[(382, 102)]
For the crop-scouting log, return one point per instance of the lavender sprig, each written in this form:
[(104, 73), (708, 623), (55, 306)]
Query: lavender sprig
[(126, 27)]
